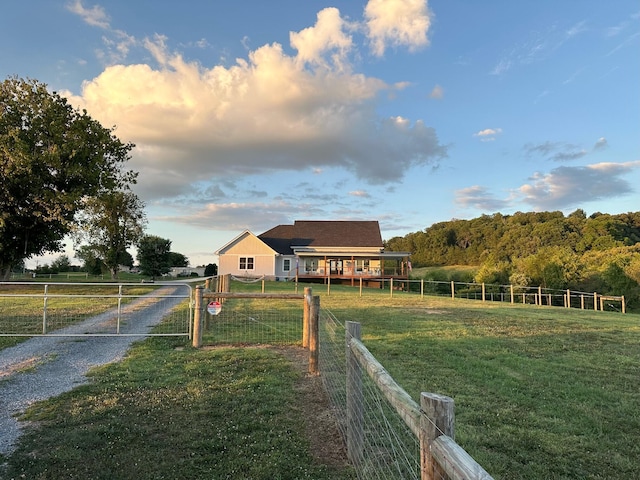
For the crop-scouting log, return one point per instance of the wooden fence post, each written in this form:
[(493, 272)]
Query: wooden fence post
[(314, 316), (355, 403), (540, 295), (306, 314), (484, 295), (437, 419), (197, 317), (511, 291), (453, 290)]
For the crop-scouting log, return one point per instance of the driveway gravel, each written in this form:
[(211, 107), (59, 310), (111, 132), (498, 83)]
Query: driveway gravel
[(44, 367)]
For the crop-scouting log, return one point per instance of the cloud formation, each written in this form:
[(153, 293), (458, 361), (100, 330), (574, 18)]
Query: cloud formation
[(536, 47), (561, 151), (479, 198), (565, 187), (398, 23), (562, 188), (271, 111)]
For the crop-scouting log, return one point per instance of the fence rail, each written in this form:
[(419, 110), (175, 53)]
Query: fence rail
[(96, 309), (513, 294), (432, 422)]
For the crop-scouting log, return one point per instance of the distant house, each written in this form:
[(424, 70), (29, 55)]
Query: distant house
[(309, 250), (186, 271)]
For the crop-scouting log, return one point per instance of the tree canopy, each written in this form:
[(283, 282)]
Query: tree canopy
[(509, 237), (154, 255), (110, 223), (597, 253), (52, 156)]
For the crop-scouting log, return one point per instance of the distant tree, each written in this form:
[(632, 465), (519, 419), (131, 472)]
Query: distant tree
[(154, 256), (52, 157), (61, 264), (109, 224), (92, 264), (494, 271), (178, 260), (211, 270)]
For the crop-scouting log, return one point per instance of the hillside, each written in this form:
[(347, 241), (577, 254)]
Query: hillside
[(600, 252)]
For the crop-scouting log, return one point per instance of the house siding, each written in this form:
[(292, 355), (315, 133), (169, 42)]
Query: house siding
[(248, 246)]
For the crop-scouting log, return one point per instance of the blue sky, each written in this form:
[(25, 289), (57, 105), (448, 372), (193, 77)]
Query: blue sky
[(250, 114)]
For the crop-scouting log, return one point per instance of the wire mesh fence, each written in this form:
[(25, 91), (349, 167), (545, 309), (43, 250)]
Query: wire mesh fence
[(66, 309), (386, 448), (253, 321)]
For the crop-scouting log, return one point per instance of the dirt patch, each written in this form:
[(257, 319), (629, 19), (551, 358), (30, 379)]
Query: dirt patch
[(21, 367), (327, 445)]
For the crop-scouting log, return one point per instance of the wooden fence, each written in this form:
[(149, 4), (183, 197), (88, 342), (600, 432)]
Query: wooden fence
[(311, 312), (432, 421)]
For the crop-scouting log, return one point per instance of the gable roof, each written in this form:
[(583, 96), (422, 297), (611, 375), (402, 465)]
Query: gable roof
[(323, 233), (279, 238), (240, 238)]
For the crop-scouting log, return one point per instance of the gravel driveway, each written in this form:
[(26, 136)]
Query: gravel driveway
[(44, 367)]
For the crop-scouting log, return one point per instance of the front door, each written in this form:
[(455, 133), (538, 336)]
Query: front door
[(336, 267)]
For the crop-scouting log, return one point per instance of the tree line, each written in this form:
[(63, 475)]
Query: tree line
[(600, 252), (63, 174)]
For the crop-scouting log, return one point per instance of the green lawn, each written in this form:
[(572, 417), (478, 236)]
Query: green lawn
[(175, 413), (540, 392)]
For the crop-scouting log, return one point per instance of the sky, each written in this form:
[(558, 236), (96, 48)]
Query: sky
[(251, 114)]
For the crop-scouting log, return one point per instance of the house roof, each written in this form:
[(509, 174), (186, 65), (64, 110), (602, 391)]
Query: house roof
[(279, 238), (323, 233)]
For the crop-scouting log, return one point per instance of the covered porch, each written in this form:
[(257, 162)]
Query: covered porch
[(370, 268)]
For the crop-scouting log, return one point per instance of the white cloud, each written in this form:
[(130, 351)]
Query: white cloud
[(566, 187), (488, 134), (116, 42), (437, 93), (397, 23), (265, 113), (327, 35), (94, 16)]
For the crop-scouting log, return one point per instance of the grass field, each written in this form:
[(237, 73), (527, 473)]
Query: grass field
[(540, 392)]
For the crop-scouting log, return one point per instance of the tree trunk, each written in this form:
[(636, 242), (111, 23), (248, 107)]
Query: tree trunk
[(5, 272)]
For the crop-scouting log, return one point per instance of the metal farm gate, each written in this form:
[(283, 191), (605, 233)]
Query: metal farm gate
[(95, 309)]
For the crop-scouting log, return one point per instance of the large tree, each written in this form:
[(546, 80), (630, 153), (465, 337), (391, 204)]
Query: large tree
[(154, 256), (52, 156), (109, 224)]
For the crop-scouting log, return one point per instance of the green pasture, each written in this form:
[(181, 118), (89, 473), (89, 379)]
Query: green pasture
[(540, 392)]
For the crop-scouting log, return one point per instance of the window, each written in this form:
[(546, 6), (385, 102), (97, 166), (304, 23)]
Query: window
[(362, 265), (310, 265), (246, 263), (286, 265)]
